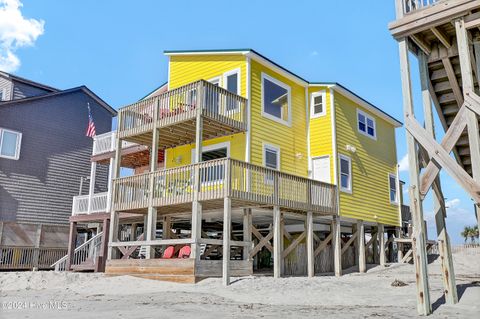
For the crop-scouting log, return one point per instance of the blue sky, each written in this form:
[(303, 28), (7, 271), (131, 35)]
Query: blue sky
[(116, 49)]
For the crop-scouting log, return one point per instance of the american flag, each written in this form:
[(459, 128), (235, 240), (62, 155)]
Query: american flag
[(91, 125)]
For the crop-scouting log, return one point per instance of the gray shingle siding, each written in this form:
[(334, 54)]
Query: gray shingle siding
[(22, 90), (54, 155)]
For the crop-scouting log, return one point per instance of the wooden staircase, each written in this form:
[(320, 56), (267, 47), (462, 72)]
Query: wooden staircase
[(447, 93)]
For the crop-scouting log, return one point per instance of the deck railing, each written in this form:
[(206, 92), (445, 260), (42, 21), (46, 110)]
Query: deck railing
[(224, 178), (99, 204), (29, 257), (88, 250), (182, 104), (410, 6), (105, 143)]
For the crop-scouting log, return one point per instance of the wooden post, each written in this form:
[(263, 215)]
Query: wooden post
[(476, 47), (448, 274), (247, 232), (196, 205), (374, 233), (166, 227), (337, 245), (362, 260), (424, 306), (398, 234), (113, 233), (91, 186), (36, 255), (100, 267), (310, 248), (468, 86), (381, 243), (1, 232), (227, 229), (72, 244), (277, 251), (151, 231)]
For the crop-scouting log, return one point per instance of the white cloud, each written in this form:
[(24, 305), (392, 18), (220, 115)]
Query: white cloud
[(403, 164), (15, 32), (452, 203), (314, 53)]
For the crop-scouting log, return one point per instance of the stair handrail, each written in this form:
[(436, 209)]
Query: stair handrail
[(60, 264)]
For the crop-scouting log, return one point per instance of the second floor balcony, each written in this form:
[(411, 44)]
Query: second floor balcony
[(175, 114), (174, 189)]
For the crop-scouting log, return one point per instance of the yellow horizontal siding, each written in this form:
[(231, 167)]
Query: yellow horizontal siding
[(291, 140), (321, 143), (371, 164), (184, 69)]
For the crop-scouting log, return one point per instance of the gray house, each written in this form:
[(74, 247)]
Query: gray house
[(44, 154)]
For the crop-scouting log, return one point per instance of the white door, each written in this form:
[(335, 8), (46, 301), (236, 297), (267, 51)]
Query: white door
[(321, 169)]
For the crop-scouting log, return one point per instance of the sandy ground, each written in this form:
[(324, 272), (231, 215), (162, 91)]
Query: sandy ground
[(79, 295)]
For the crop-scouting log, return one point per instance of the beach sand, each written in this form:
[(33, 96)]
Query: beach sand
[(47, 294)]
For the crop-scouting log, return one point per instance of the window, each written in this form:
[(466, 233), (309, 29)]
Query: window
[(231, 82), (271, 159), (345, 174), (211, 152), (276, 100), (317, 103), (10, 142), (366, 124), (3, 94), (392, 181)]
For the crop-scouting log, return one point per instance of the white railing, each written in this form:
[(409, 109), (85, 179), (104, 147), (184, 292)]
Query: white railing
[(88, 250), (415, 5), (99, 204), (12, 258), (105, 143)]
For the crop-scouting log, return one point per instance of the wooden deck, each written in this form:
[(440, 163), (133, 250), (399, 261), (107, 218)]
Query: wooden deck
[(175, 113), (246, 184)]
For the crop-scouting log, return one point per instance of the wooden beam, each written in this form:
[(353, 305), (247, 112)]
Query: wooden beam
[(424, 306), (442, 37), (265, 241), (421, 43), (349, 242), (227, 229), (323, 244), (310, 251), (294, 244), (472, 20), (443, 159), (407, 257), (448, 143), (362, 261), (277, 238), (452, 78)]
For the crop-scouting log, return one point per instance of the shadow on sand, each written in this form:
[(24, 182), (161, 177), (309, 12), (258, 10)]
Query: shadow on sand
[(460, 290)]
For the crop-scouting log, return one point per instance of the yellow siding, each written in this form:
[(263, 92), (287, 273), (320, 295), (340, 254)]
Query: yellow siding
[(321, 143), (291, 140), (371, 164), (185, 69)]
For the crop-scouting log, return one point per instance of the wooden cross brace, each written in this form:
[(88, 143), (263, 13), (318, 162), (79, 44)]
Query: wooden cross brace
[(440, 157), (323, 244), (349, 242), (127, 251), (263, 242)]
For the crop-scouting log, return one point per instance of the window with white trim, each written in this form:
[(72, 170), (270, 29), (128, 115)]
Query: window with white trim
[(276, 100), (271, 159), (345, 174), (211, 152), (366, 124), (231, 82), (10, 142), (392, 183), (318, 104)]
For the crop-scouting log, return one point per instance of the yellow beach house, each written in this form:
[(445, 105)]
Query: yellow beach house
[(246, 167)]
